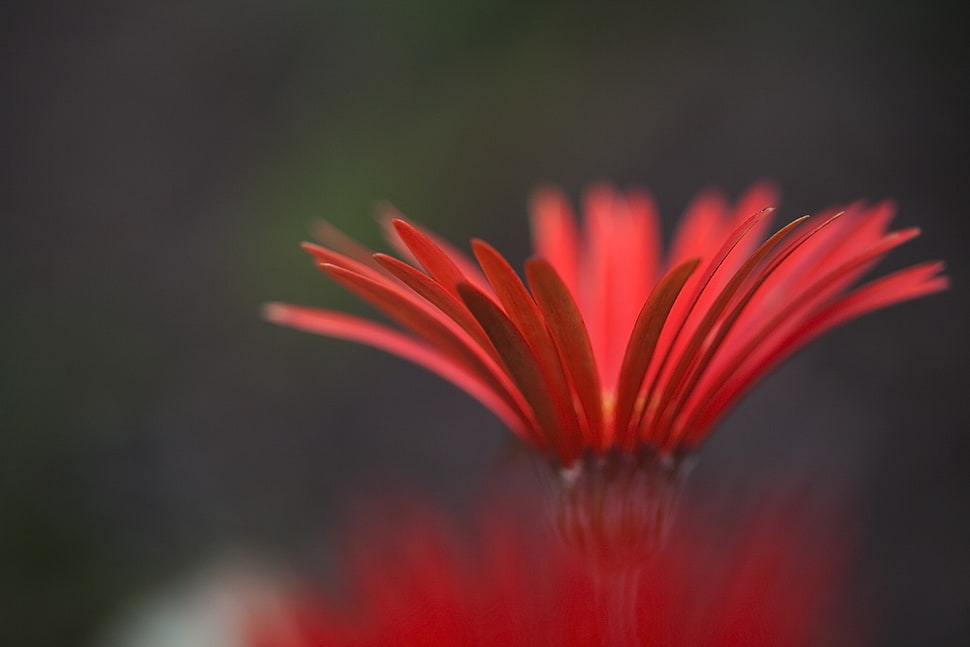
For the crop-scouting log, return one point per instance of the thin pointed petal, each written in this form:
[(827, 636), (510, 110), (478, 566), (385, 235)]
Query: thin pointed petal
[(673, 387), (434, 261), (522, 366), (698, 230), (638, 263), (905, 285), (525, 314), (643, 343), (568, 330), (554, 234), (330, 236), (761, 355), (388, 214), (725, 326), (324, 255), (761, 196), (910, 283), (348, 327), (451, 340), (596, 281), (436, 295), (675, 335)]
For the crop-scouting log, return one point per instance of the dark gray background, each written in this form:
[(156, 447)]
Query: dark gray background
[(161, 161)]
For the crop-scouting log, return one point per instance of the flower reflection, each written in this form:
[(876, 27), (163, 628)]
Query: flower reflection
[(412, 579)]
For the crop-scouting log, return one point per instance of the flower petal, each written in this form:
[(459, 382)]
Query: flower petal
[(363, 331), (525, 314), (449, 339), (566, 325), (765, 350), (326, 233), (673, 391), (435, 262), (386, 217), (523, 366), (675, 334), (554, 234), (437, 296), (643, 343)]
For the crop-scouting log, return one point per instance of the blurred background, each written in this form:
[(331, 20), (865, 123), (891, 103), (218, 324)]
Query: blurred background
[(162, 161)]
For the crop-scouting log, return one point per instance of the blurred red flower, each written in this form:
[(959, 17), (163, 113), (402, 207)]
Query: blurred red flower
[(615, 345), (415, 582)]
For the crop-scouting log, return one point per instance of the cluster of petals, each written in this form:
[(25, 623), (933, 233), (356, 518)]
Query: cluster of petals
[(419, 583), (610, 344)]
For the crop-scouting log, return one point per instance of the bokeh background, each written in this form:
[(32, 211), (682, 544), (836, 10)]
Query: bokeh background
[(161, 161)]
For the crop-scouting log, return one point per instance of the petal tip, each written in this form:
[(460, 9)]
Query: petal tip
[(274, 312), (384, 211), (480, 246), (546, 193), (311, 248)]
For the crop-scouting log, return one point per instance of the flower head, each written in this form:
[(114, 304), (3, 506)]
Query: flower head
[(611, 344), (412, 580)]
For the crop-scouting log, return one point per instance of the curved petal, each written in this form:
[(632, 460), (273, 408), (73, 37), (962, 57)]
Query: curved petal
[(363, 331)]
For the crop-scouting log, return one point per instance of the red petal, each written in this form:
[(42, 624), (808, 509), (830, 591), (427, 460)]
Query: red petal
[(917, 281), (674, 335), (447, 337), (598, 269), (343, 326), (643, 342), (911, 283), (554, 235), (856, 229), (386, 214), (523, 367), (674, 388), (332, 237), (524, 313), (566, 325), (761, 196), (638, 255), (725, 326), (760, 355), (461, 260), (324, 255), (432, 291), (434, 261), (699, 231)]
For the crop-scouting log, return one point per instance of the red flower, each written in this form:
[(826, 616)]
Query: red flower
[(413, 581), (614, 345)]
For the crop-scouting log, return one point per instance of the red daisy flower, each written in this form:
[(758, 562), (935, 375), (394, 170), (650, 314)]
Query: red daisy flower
[(614, 345), (412, 580)]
